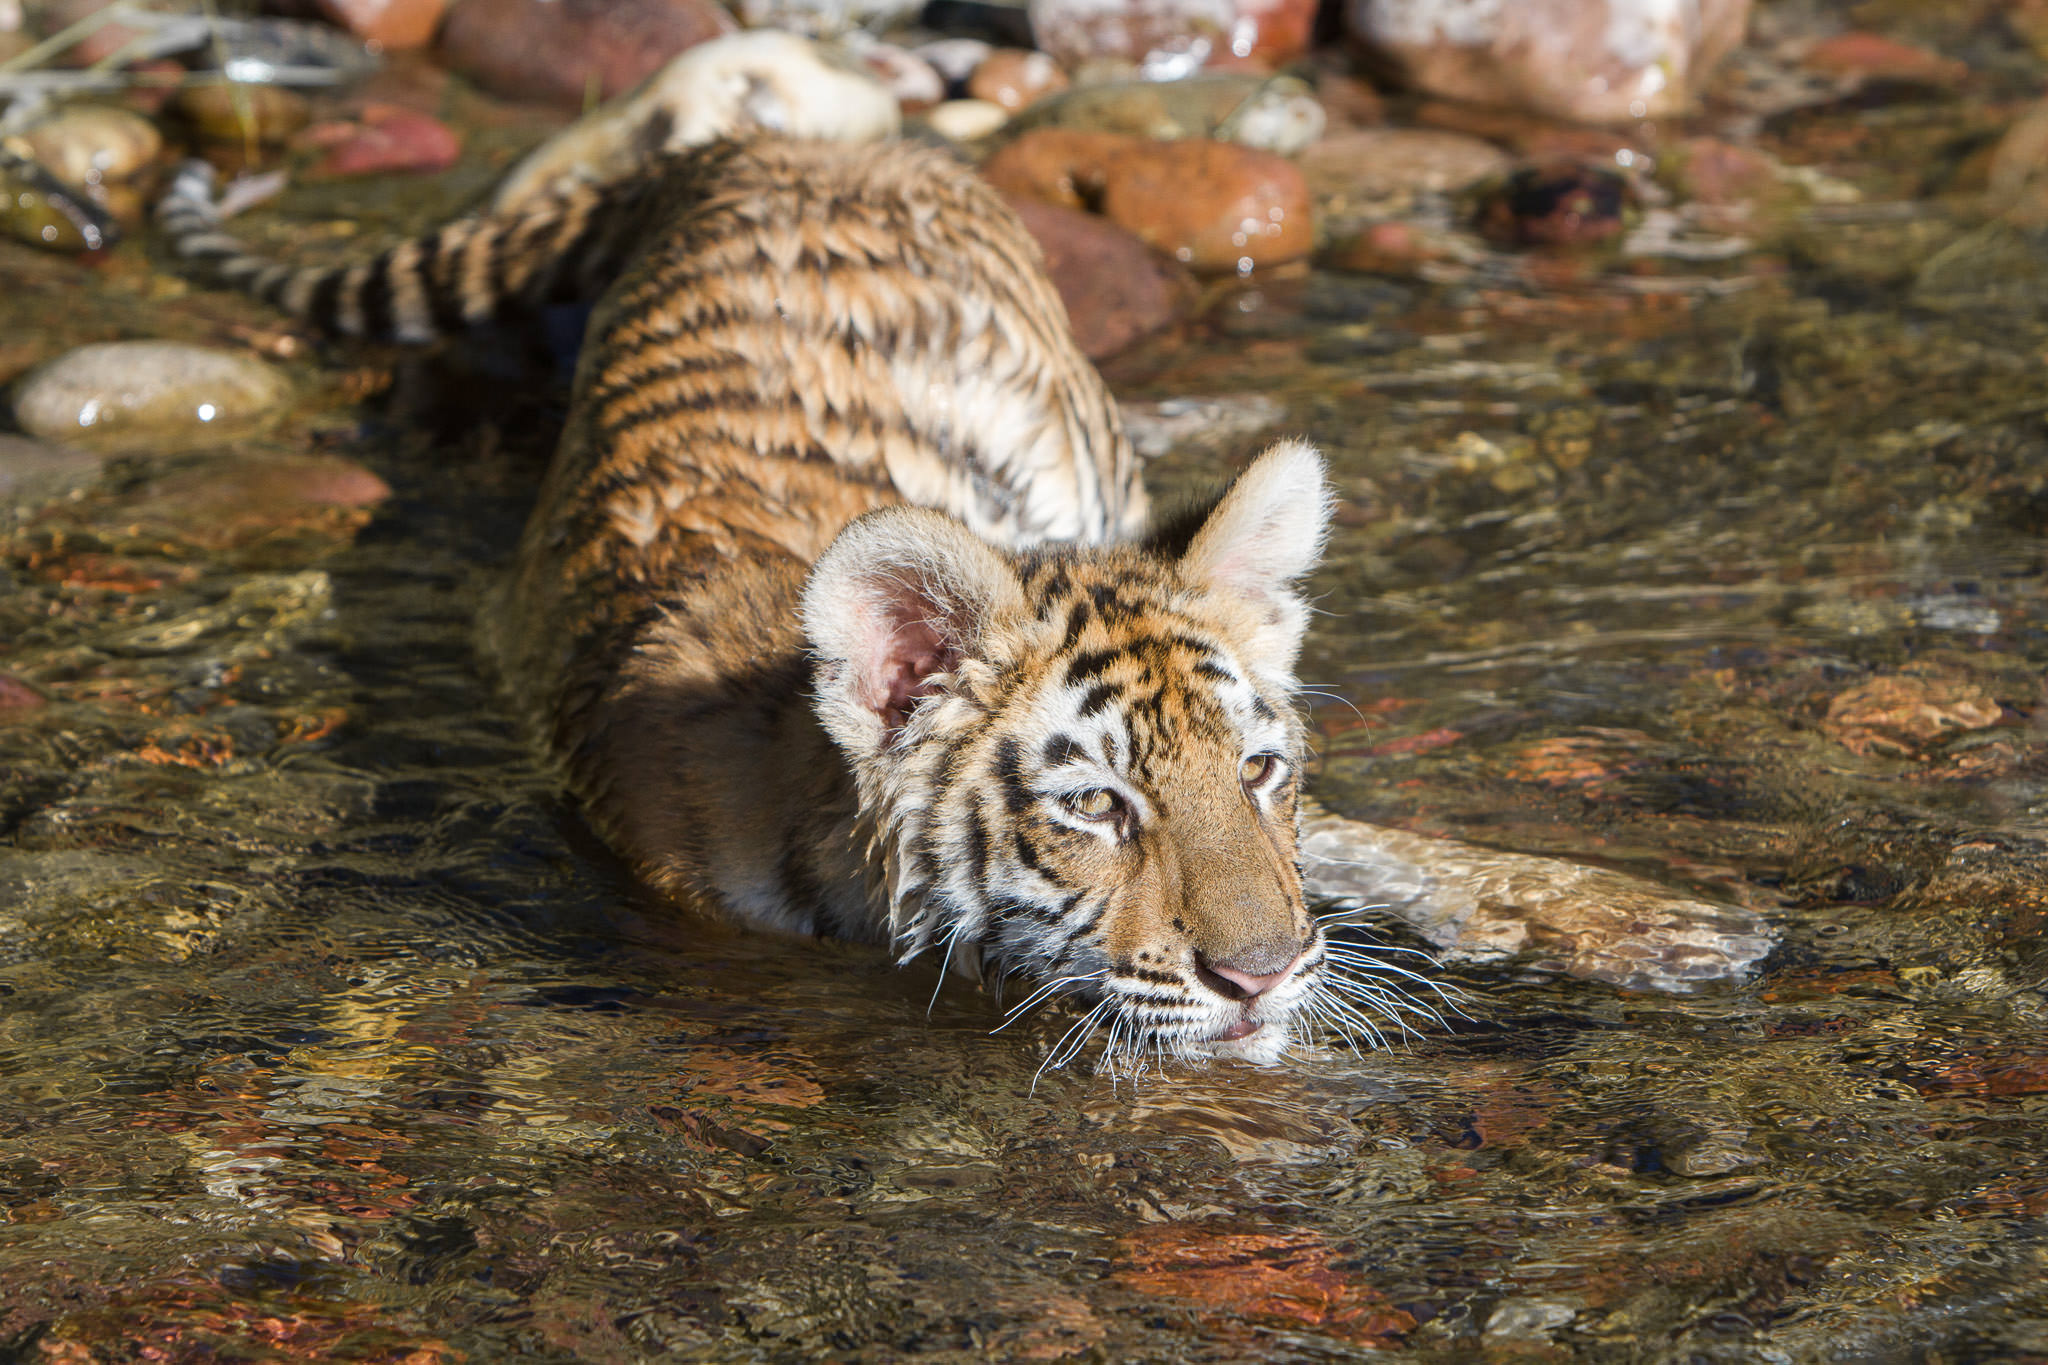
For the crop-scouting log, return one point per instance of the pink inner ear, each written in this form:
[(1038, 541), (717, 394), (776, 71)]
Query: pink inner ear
[(908, 649)]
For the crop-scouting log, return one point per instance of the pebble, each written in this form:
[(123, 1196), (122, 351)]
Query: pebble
[(1558, 205), (90, 144), (1207, 424), (232, 503), (383, 138), (1592, 61), (1275, 115), (1210, 205), (727, 87), (143, 392), (1870, 56), (1012, 79), (1904, 713), (391, 24), (965, 120), (17, 697), (45, 213), (563, 51), (1114, 289), (225, 112)]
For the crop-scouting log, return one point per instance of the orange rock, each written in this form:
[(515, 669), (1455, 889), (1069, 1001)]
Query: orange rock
[(1212, 206), (1280, 1274), (1857, 53), (1013, 78), (1903, 714), (392, 24)]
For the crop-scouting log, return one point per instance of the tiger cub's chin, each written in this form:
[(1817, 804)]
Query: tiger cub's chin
[(1084, 761)]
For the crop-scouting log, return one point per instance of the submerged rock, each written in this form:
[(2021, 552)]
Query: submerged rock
[(132, 392), (562, 51), (32, 472), (232, 112), (391, 24), (1209, 205), (384, 138), (1115, 291), (1594, 61), (1563, 205)]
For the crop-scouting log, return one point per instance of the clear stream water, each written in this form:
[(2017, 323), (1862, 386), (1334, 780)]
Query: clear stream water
[(327, 1032)]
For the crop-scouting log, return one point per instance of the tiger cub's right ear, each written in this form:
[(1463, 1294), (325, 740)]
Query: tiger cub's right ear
[(903, 594)]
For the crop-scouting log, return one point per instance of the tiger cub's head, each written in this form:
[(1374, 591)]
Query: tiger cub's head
[(1082, 762)]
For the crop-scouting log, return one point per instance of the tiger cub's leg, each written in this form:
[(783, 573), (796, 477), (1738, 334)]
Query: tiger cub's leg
[(1480, 904)]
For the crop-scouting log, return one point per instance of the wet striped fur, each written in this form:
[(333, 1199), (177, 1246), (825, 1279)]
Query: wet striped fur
[(837, 608)]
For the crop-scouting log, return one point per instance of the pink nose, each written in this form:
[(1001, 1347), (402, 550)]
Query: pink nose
[(1240, 979)]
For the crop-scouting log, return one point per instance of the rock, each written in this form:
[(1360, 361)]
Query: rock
[(1384, 170), (1564, 205), (37, 208), (391, 24), (1593, 61), (1209, 424), (730, 86), (96, 46), (1170, 39), (1275, 115), (1164, 39), (31, 472), (1906, 714), (1012, 79), (2017, 174), (86, 145), (1115, 291), (1389, 248), (1712, 171), (562, 51), (232, 503), (17, 698), (1870, 56), (914, 82), (965, 120), (148, 392), (1209, 205), (825, 18), (234, 112), (383, 138)]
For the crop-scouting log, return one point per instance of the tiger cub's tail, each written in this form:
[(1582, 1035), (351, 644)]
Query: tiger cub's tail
[(465, 273)]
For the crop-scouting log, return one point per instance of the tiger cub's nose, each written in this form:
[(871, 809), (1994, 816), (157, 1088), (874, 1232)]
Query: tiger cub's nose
[(1249, 972)]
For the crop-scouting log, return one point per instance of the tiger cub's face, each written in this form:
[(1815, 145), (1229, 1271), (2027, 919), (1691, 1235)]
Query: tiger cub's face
[(1082, 764)]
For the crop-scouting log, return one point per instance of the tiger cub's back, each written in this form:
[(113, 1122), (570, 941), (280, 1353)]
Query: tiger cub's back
[(809, 331)]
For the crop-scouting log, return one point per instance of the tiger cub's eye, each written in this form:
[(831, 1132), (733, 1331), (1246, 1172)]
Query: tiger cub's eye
[(1256, 769), (1094, 804)]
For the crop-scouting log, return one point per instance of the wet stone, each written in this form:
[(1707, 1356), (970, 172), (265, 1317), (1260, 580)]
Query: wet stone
[(223, 112), (565, 52), (1277, 115), (393, 25), (1563, 206), (1114, 289), (1013, 80), (140, 392), (382, 139)]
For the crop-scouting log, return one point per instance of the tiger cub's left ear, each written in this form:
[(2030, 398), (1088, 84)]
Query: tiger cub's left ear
[(1264, 535)]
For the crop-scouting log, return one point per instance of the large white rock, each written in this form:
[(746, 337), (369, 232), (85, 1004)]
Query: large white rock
[(1595, 61), (763, 81), (148, 392)]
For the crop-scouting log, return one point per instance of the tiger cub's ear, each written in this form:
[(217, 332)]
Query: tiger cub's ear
[(902, 594), (1265, 533)]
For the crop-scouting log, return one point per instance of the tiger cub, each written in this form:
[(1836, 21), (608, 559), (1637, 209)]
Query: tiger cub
[(839, 610)]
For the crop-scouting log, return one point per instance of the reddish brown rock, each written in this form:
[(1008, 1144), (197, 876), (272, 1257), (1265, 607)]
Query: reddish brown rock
[(1872, 56), (1593, 61), (381, 139), (1114, 289), (392, 24), (236, 502), (1270, 33), (563, 51), (17, 698), (1903, 714), (1014, 79), (1716, 172), (1212, 206)]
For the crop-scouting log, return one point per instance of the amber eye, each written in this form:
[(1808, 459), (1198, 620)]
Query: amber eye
[(1254, 771), (1099, 804)]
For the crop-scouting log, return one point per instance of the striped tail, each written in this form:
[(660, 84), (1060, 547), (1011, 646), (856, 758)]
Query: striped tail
[(466, 273)]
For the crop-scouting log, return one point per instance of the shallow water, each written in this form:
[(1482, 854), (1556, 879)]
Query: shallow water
[(327, 1033)]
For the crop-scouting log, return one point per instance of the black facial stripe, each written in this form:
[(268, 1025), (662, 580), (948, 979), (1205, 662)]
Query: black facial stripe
[(1062, 749), (1010, 773), (1098, 697)]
